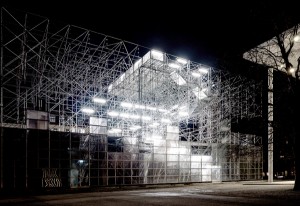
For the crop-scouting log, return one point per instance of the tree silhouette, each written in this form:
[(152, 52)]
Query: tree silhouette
[(282, 53)]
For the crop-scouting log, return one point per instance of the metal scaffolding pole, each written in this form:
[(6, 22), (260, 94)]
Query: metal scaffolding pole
[(270, 125)]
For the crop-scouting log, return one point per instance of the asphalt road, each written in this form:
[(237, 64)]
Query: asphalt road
[(240, 193)]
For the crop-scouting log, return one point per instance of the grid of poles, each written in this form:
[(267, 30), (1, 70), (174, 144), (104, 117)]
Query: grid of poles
[(89, 109)]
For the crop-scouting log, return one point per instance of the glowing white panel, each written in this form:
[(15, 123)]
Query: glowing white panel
[(172, 136), (177, 78), (121, 78), (146, 57), (137, 64), (98, 130), (199, 93), (99, 100), (158, 55), (173, 129), (98, 121)]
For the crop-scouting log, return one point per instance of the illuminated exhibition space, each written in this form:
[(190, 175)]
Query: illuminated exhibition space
[(80, 108)]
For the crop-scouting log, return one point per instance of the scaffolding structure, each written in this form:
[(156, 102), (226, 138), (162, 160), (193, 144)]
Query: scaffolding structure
[(80, 108)]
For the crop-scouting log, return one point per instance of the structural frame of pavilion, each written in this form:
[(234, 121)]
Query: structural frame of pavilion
[(80, 108)]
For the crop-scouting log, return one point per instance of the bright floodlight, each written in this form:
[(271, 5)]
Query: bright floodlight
[(124, 115), (126, 104), (146, 118), (203, 70), (297, 38), (156, 137), (115, 130), (151, 108), (166, 120), (154, 124), (174, 107), (182, 114), (196, 74), (99, 100), (138, 106), (135, 127), (134, 116), (113, 113), (199, 93), (163, 110), (173, 65), (182, 61), (177, 78), (88, 110), (157, 55)]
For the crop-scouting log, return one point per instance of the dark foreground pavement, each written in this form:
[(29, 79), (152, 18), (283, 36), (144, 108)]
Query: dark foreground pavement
[(230, 193)]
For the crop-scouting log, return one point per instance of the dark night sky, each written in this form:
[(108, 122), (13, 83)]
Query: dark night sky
[(202, 31)]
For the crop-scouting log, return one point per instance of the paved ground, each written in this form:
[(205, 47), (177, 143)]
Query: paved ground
[(237, 193)]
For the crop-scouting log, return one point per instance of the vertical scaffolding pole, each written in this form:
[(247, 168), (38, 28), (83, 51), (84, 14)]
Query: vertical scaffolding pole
[(1, 106), (270, 125)]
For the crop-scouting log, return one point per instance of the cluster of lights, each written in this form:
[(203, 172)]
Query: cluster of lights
[(174, 75), (89, 110), (138, 117), (199, 72)]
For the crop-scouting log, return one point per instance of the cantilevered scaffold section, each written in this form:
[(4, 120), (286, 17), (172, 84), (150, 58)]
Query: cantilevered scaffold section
[(80, 108)]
